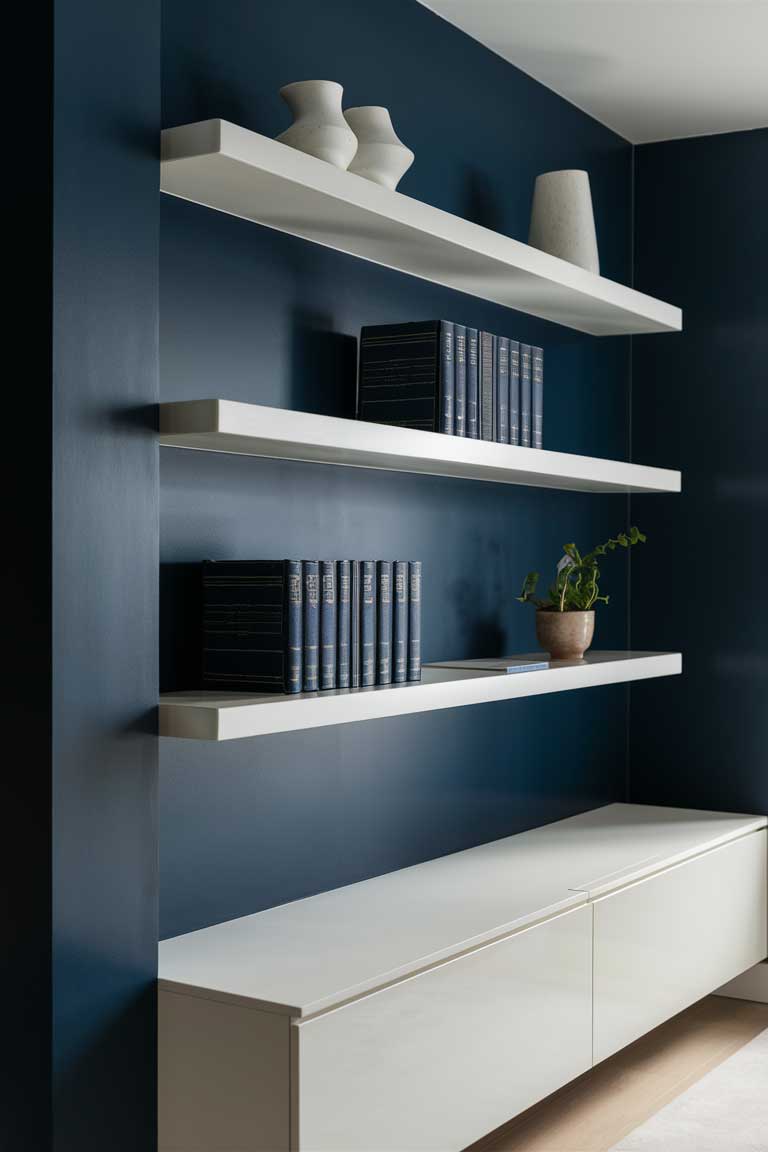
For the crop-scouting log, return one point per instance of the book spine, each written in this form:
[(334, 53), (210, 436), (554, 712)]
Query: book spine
[(367, 623), (343, 630), (486, 412), (311, 577), (525, 395), (460, 383), (384, 622), (328, 624), (400, 623), (354, 625), (447, 377), (472, 402), (295, 625), (514, 392), (537, 389), (414, 620), (502, 390)]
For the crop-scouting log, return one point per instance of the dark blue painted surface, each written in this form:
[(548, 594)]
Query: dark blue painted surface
[(105, 508), (251, 315), (700, 404)]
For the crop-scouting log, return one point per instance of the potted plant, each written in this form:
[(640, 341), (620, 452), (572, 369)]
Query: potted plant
[(565, 620)]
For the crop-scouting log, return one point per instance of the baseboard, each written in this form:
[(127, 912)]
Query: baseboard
[(751, 985)]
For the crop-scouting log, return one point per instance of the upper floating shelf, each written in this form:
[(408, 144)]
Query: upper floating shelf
[(240, 172), (253, 430)]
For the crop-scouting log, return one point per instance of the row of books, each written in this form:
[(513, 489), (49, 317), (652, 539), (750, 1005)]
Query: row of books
[(446, 377), (310, 625)]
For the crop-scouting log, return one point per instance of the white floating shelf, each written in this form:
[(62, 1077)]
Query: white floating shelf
[(244, 174), (222, 716), (250, 429)]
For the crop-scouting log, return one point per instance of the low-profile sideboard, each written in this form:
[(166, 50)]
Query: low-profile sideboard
[(421, 1009)]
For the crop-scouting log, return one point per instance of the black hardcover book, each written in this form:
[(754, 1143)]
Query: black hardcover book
[(252, 625), (472, 385), (311, 580), (343, 630), (486, 381), (355, 638), (514, 392), (460, 380), (328, 624), (384, 622), (407, 374), (400, 622)]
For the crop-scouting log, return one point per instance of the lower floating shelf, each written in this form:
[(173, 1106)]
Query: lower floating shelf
[(232, 716)]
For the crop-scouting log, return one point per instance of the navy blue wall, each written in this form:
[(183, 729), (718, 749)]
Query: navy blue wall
[(700, 403), (251, 315)]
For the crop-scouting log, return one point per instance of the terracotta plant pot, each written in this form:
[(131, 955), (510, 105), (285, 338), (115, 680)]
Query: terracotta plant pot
[(565, 635)]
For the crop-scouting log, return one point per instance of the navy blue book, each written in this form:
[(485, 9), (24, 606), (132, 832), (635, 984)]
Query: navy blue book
[(311, 580), (460, 380), (525, 395), (514, 392), (406, 375), (384, 622), (487, 404), (367, 623), (343, 630), (400, 622), (252, 625), (354, 625), (472, 422), (328, 624), (414, 620), (537, 390), (502, 390)]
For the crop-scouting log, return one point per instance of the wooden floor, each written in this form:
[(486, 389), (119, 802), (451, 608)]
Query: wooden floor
[(601, 1107)]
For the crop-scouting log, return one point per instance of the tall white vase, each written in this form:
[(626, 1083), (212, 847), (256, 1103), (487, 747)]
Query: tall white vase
[(319, 127), (380, 156), (562, 220)]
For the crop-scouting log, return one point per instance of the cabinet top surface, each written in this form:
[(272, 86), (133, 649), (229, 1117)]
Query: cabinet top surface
[(309, 955)]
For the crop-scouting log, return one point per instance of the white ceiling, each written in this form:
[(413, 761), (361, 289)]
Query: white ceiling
[(649, 69)]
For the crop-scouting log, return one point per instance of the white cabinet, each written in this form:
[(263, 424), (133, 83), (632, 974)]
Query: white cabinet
[(432, 1063), (665, 942)]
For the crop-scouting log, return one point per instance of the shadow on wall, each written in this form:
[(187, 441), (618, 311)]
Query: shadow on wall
[(323, 366)]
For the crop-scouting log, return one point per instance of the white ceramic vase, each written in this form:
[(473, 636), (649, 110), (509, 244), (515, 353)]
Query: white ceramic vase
[(319, 127), (380, 156), (562, 220)]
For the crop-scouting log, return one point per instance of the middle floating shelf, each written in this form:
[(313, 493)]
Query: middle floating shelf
[(278, 433)]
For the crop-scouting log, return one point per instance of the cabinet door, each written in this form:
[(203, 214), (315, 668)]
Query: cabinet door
[(665, 942), (436, 1061)]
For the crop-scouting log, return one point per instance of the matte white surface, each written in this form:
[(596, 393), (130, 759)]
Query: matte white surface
[(751, 985), (253, 430), (240, 172), (649, 69), (435, 1062), (236, 715), (663, 943), (309, 955)]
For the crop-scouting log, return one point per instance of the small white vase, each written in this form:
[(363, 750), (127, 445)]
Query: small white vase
[(562, 220), (319, 127), (380, 156)]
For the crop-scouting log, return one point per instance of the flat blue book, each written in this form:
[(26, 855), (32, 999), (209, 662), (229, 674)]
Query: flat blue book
[(328, 624), (472, 385), (502, 390), (414, 620), (526, 403), (505, 667), (354, 624), (514, 392), (367, 623), (344, 625), (400, 622), (460, 380), (487, 404), (384, 622), (537, 390), (311, 579)]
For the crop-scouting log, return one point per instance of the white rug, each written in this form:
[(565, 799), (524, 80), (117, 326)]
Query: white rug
[(725, 1111)]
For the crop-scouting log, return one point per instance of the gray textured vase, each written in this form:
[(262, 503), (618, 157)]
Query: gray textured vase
[(381, 156), (562, 220), (319, 127), (565, 635)]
